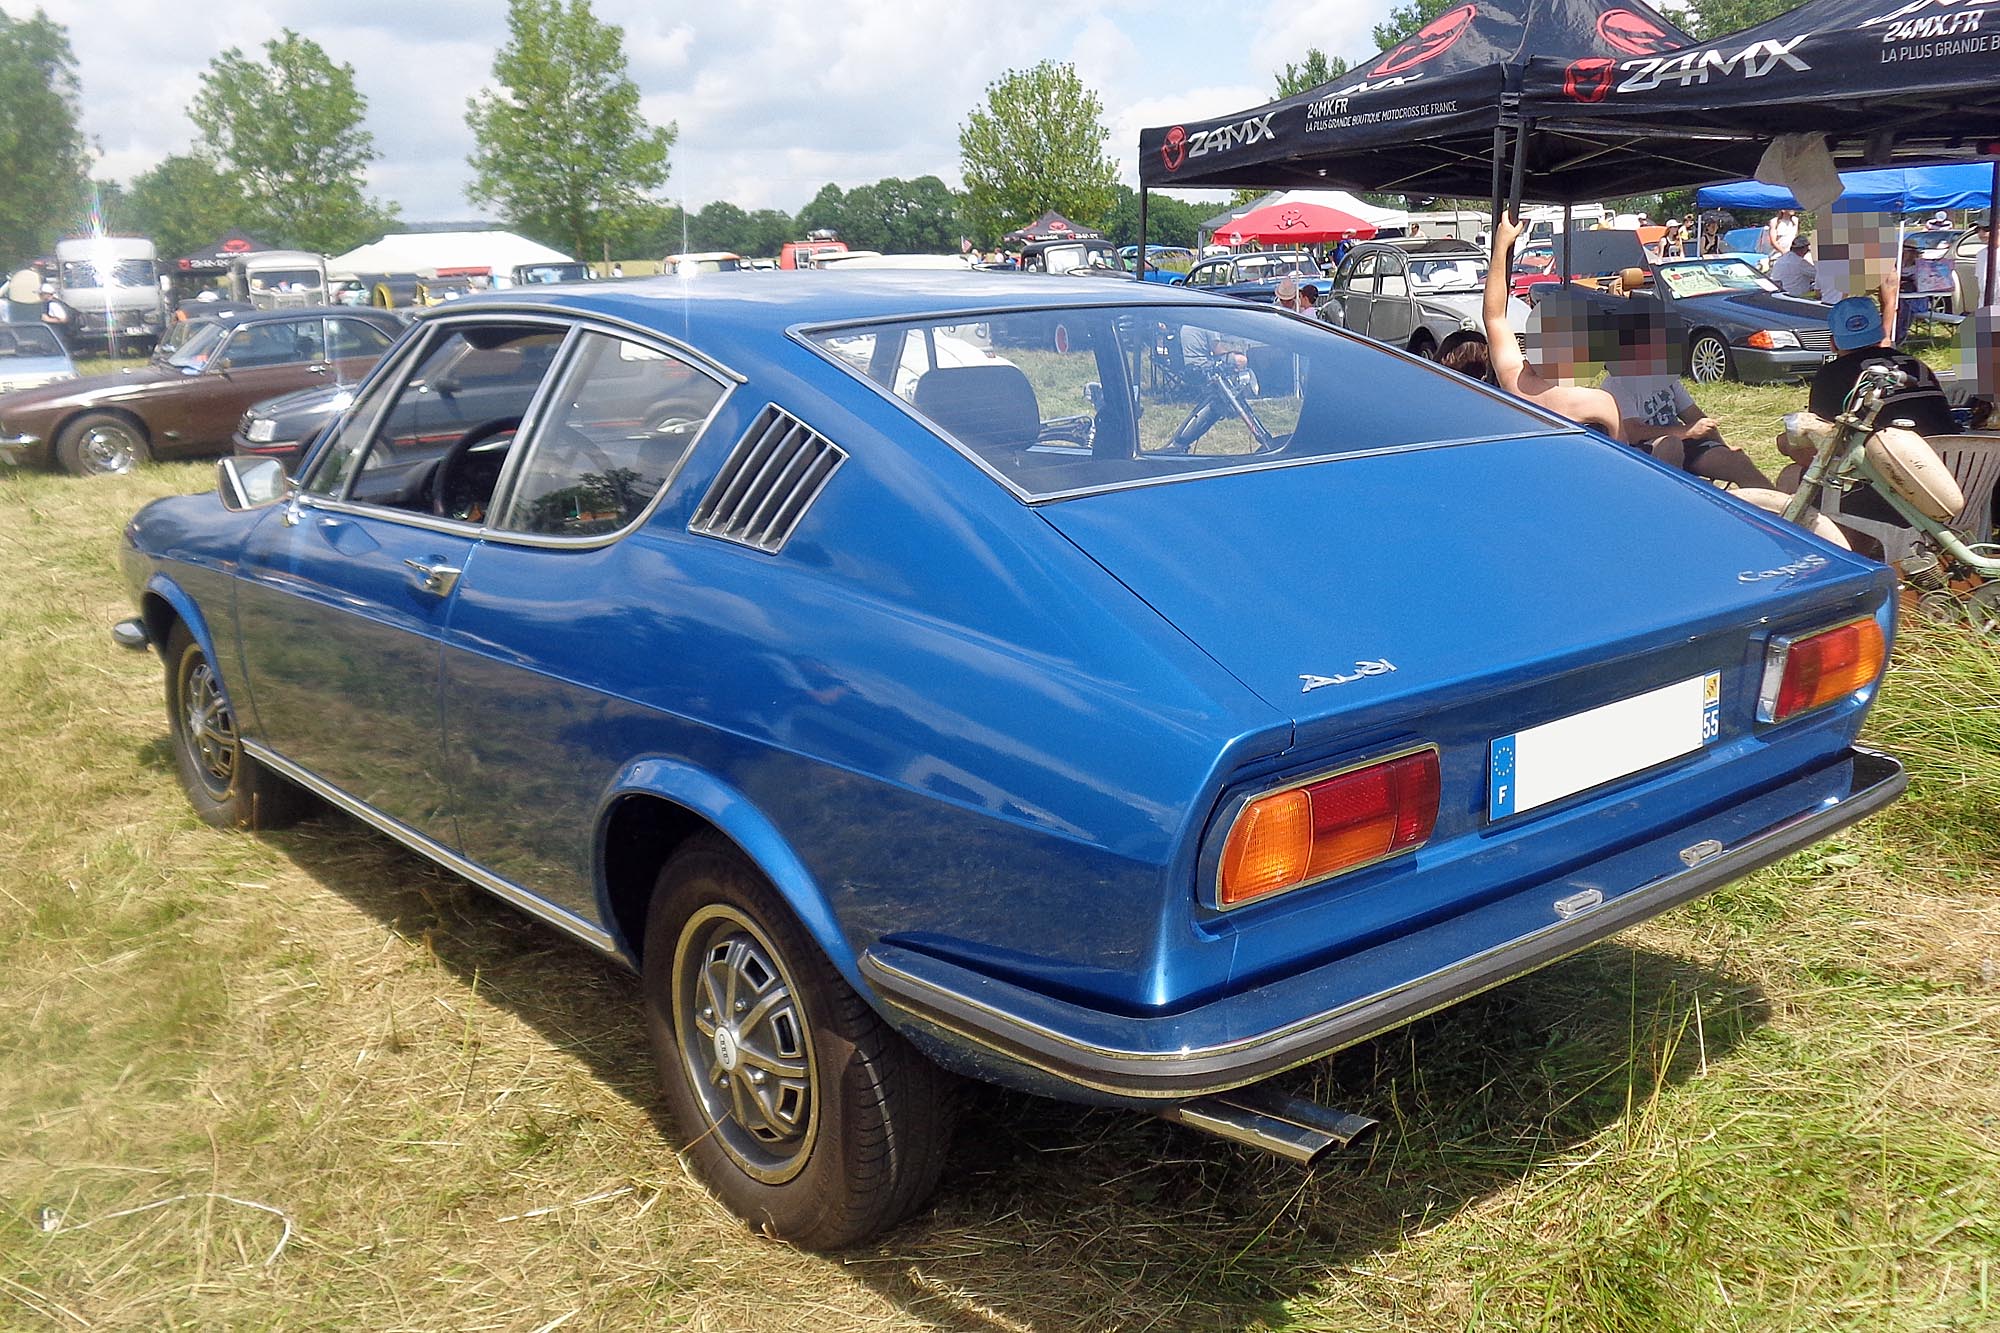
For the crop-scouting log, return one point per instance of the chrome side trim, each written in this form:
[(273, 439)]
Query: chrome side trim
[(1143, 1075), (567, 922)]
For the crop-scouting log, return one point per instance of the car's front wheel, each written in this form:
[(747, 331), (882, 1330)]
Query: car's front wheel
[(805, 1114), (101, 444), (1708, 358), (227, 787)]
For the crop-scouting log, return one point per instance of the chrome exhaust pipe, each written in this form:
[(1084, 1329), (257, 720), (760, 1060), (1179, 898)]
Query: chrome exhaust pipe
[(1263, 1117)]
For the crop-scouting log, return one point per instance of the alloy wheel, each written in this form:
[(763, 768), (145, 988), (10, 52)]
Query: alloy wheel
[(108, 448), (211, 729)]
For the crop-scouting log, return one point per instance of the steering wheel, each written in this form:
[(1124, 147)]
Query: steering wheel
[(462, 482)]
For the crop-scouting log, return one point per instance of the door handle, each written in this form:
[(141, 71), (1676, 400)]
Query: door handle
[(318, 368), (439, 578)]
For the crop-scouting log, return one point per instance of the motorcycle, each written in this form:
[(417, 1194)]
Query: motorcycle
[(1957, 581)]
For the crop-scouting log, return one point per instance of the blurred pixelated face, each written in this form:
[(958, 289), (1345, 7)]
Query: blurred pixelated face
[(1559, 339), (1858, 251), (1979, 351)]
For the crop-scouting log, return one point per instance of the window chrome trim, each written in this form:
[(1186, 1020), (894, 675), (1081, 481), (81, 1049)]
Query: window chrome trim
[(806, 335), (581, 315), (561, 918), (1210, 861), (440, 326)]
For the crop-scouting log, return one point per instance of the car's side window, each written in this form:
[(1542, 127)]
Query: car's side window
[(1203, 276), (1395, 276), (434, 441), (618, 424), (354, 337), (275, 343), (1362, 276)]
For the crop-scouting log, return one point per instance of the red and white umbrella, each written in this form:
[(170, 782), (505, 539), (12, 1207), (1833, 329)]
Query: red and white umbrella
[(1285, 222)]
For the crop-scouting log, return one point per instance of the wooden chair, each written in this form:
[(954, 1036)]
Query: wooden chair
[(1974, 461)]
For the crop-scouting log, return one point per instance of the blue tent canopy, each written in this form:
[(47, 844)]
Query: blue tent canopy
[(1914, 190)]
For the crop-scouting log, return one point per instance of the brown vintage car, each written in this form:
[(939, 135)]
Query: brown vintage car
[(185, 402)]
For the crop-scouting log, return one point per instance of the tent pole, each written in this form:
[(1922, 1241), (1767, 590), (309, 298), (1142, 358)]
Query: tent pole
[(1986, 295), (1520, 169), (1142, 233), (1565, 243), (1499, 157)]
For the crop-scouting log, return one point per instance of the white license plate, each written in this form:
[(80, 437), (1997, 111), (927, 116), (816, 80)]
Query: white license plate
[(1542, 764)]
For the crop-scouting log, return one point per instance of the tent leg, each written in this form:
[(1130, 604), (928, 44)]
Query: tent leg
[(1986, 295), (1520, 168), (1142, 233), (1499, 158), (1565, 242)]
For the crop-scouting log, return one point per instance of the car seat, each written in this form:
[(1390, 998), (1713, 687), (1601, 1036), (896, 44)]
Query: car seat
[(991, 409)]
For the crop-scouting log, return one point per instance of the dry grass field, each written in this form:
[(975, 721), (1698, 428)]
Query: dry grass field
[(305, 1081)]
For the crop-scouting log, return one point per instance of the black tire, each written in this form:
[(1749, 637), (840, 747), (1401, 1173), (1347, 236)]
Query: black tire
[(849, 1134), (99, 444), (1708, 358), (1423, 346), (227, 787)]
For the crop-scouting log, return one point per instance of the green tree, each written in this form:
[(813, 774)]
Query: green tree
[(1707, 19), (1169, 221), (1317, 68), (1037, 143), (287, 130), (42, 157), (719, 225), (183, 203), (1404, 20), (919, 216), (825, 211), (561, 147)]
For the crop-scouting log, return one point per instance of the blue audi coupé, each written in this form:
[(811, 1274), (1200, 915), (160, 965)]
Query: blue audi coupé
[(1111, 691)]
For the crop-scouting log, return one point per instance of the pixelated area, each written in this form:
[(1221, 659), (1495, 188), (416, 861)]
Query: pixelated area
[(1979, 351), (1858, 253)]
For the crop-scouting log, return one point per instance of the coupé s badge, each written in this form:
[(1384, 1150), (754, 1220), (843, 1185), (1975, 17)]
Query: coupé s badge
[(1381, 666)]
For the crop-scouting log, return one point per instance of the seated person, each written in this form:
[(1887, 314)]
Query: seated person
[(1793, 271), (1857, 336), (1979, 366), (1655, 409), (1556, 337)]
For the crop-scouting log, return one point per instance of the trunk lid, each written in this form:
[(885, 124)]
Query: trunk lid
[(1380, 587)]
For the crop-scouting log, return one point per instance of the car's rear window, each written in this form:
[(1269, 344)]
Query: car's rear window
[(1062, 401)]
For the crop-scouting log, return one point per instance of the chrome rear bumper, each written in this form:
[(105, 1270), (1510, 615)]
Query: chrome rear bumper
[(1233, 1041)]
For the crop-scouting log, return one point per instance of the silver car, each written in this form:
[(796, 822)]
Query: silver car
[(1423, 296), (30, 356)]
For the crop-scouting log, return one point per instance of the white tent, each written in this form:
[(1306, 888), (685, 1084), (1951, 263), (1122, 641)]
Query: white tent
[(428, 251)]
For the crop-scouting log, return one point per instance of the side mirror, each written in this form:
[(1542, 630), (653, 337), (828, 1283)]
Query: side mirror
[(250, 483)]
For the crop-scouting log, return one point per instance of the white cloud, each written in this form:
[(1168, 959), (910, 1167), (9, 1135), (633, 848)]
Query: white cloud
[(773, 98)]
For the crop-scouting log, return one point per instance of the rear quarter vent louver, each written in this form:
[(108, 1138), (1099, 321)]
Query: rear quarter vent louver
[(771, 478)]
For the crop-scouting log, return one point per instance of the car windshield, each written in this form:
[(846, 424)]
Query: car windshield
[(1060, 402), (1703, 277), (1271, 267), (289, 279), (84, 275), (1448, 273), (25, 340), (542, 273), (193, 351)]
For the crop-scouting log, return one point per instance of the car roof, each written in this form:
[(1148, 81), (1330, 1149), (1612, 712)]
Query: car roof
[(761, 303), (232, 318)]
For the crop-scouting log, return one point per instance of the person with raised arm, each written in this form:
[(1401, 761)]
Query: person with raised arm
[(1558, 338)]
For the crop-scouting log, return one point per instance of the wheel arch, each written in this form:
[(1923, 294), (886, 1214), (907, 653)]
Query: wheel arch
[(74, 415), (655, 807), (162, 605), (1699, 331)]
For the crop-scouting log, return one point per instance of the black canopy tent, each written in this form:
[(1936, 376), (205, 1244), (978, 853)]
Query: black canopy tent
[(215, 258), (1419, 119), (1052, 226)]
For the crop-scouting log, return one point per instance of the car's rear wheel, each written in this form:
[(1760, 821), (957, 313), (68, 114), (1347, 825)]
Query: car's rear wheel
[(805, 1114), (1422, 346), (227, 787), (101, 444), (1708, 358)]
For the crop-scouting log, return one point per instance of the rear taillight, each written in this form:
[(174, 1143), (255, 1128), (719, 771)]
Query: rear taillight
[(1807, 671), (1318, 829)]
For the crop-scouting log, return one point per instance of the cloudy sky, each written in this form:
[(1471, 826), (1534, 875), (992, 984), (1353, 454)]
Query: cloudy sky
[(774, 98)]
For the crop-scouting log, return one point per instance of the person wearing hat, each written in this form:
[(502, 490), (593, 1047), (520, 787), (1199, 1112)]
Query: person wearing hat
[(1290, 297), (1939, 222), (1793, 271), (1856, 324)]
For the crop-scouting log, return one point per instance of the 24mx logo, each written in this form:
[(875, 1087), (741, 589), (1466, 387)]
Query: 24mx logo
[(1698, 67), (1241, 134)]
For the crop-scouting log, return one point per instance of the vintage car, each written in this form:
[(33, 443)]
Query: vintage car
[(31, 355), (1421, 295), (1055, 717), (1253, 276), (282, 427), (184, 402)]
